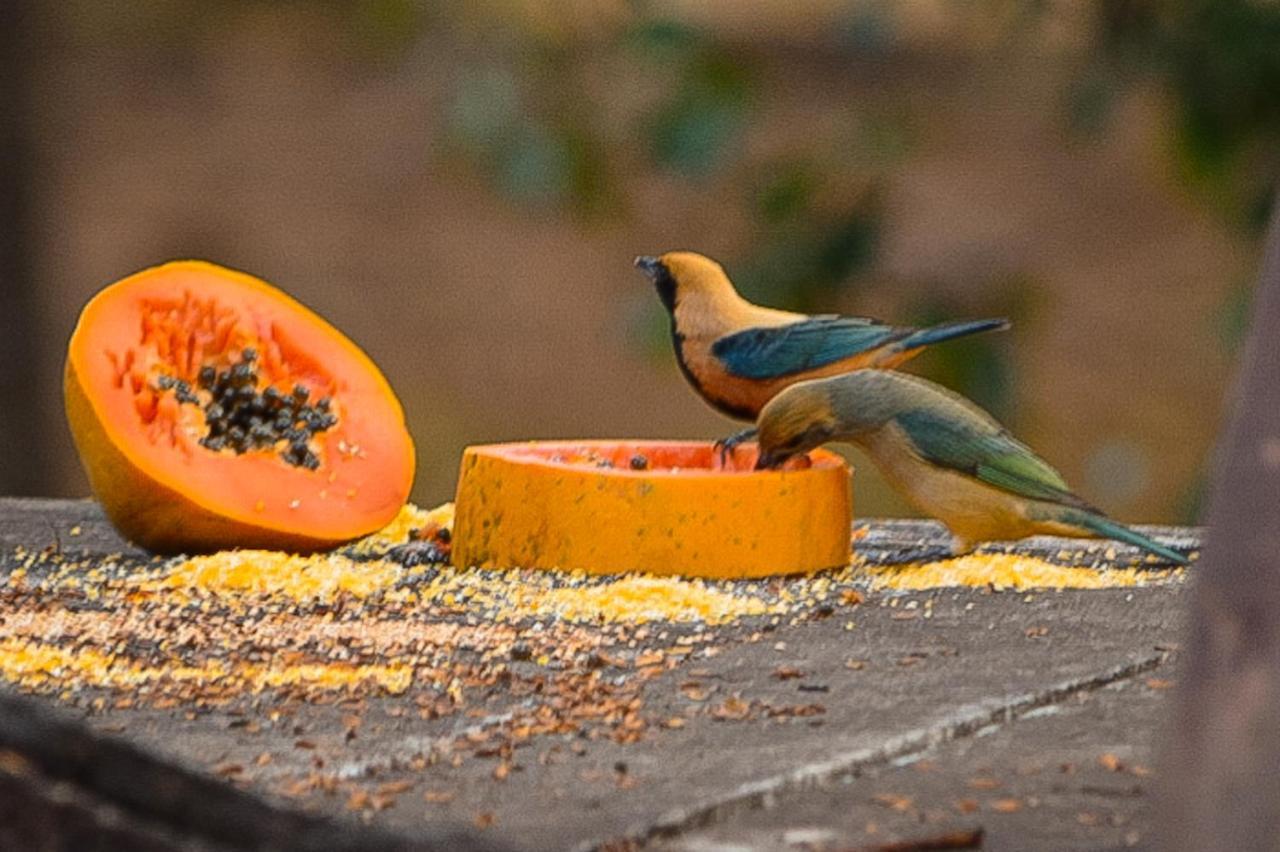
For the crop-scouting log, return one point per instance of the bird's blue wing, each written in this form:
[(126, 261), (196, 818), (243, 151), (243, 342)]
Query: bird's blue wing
[(986, 452), (772, 352)]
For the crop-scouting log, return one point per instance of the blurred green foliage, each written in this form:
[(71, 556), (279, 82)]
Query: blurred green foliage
[(1233, 316), (529, 157), (524, 114), (386, 29), (557, 115), (980, 366), (696, 128), (807, 257), (1219, 63), (551, 141)]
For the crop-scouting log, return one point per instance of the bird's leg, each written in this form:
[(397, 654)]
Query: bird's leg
[(962, 546), (726, 446)]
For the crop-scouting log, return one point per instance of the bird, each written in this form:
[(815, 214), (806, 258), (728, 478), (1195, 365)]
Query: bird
[(737, 355), (947, 456)]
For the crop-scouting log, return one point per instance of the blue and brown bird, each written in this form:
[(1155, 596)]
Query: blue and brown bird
[(739, 355), (947, 456)]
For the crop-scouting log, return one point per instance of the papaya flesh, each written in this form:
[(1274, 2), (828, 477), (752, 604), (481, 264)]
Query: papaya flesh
[(654, 506), (211, 410)]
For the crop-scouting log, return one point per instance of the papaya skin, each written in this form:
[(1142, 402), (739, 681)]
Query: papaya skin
[(554, 505), (163, 506)]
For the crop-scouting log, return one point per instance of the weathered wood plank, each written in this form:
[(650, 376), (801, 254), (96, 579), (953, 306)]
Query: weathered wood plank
[(63, 786), (36, 524)]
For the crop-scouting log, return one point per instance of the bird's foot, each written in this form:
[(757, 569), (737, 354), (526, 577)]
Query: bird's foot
[(725, 446)]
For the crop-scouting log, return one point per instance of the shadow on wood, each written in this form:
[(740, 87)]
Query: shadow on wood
[(64, 787)]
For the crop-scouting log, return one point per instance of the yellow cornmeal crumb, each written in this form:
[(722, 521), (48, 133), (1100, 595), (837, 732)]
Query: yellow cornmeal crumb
[(640, 598), (1009, 571), (395, 679), (32, 664), (271, 597), (269, 572), (503, 595)]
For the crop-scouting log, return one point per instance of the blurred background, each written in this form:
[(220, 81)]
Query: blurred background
[(462, 186)]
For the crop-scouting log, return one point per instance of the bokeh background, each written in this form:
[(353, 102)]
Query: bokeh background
[(461, 186)]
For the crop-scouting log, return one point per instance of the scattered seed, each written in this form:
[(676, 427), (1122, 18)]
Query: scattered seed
[(893, 802)]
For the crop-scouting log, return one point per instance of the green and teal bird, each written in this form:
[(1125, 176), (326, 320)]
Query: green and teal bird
[(950, 458), (738, 355)]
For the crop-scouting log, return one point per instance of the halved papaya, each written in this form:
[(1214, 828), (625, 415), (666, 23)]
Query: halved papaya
[(654, 506), (211, 410)]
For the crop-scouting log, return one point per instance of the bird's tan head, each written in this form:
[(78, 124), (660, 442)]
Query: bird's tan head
[(797, 420), (679, 273)]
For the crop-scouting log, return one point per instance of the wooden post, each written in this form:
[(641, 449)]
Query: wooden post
[(23, 446), (1220, 772)]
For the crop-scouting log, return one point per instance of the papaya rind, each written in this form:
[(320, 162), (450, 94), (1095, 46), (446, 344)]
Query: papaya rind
[(515, 509)]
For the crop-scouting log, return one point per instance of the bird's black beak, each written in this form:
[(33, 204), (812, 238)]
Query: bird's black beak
[(768, 461), (660, 275), (650, 266)]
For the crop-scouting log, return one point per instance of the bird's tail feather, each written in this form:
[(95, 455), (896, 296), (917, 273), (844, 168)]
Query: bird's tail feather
[(1107, 528), (948, 331)]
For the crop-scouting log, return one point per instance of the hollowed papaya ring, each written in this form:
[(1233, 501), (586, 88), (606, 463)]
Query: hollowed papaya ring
[(659, 507)]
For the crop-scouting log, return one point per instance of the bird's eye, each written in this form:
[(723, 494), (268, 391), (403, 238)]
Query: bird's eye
[(816, 435)]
